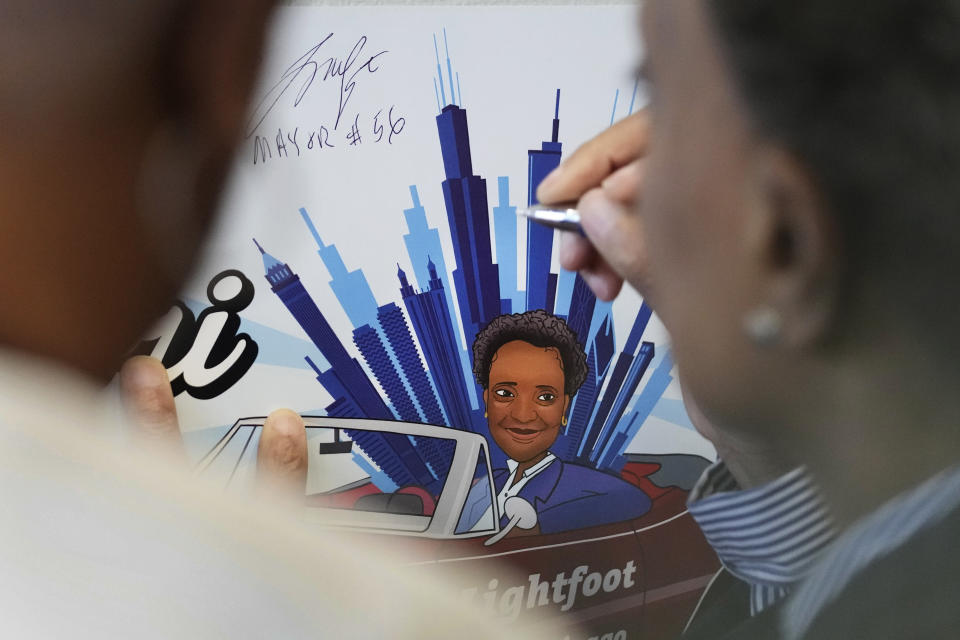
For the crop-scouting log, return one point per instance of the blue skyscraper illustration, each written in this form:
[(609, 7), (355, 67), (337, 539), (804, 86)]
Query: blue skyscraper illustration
[(582, 305), (398, 459), (371, 345), (350, 287), (476, 278), (431, 322), (567, 445), (565, 282), (423, 246), (505, 233), (394, 324), (286, 284), (624, 395), (615, 382), (437, 453), (389, 473), (343, 406), (375, 355), (585, 402), (353, 292), (541, 284), (619, 443), (660, 379)]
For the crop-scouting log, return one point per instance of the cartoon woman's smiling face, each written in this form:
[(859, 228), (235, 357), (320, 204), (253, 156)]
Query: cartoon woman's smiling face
[(525, 400)]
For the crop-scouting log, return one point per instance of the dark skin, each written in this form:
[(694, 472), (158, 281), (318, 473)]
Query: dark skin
[(689, 203), (525, 401), (88, 275), (525, 405), (644, 186), (136, 125)]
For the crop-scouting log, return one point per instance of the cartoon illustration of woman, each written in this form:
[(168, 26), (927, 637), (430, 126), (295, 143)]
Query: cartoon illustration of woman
[(530, 365)]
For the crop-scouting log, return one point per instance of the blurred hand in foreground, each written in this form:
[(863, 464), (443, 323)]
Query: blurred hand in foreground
[(155, 429)]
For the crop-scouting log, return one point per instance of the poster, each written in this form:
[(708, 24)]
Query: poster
[(463, 393)]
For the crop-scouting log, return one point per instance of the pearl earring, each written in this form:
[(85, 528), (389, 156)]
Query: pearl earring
[(763, 326)]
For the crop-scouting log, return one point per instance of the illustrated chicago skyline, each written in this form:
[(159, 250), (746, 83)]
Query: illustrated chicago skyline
[(438, 388)]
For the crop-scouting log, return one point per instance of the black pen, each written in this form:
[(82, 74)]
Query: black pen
[(563, 216)]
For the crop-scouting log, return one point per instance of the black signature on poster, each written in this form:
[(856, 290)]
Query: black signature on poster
[(320, 66)]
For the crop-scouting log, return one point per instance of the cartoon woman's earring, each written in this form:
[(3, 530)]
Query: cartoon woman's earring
[(484, 414), (563, 421)]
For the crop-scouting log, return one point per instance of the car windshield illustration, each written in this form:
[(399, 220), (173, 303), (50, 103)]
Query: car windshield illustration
[(451, 497)]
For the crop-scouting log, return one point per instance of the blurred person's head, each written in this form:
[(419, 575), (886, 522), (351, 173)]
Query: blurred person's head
[(119, 121), (801, 209)]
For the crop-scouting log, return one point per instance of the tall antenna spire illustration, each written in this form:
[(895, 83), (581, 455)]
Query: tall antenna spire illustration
[(350, 287), (446, 46), (556, 120), (443, 93), (541, 283), (613, 114), (633, 99), (439, 83), (476, 278), (312, 228)]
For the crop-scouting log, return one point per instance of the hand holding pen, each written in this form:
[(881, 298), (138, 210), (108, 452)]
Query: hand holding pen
[(603, 177)]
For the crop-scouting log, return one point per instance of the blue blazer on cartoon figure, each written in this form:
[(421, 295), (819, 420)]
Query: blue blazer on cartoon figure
[(570, 496)]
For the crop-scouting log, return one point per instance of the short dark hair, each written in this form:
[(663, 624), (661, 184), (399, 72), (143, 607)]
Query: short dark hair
[(867, 96), (539, 328)]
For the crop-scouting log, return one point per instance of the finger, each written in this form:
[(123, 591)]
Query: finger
[(575, 251), (587, 167), (577, 254), (148, 399), (616, 232), (603, 280), (282, 456), (625, 184)]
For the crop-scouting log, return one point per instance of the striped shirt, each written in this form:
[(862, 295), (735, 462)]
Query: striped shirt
[(868, 540), (767, 536)]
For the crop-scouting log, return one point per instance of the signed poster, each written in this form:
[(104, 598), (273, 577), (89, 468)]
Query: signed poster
[(370, 272)]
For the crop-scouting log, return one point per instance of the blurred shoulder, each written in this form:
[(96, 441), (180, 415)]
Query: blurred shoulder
[(910, 593)]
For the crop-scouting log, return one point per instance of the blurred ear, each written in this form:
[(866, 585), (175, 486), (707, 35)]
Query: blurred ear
[(793, 240), (214, 53)]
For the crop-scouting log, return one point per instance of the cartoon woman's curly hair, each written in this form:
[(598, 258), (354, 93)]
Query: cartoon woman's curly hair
[(539, 328)]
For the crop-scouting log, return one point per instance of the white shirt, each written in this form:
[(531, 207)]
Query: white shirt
[(511, 488), (100, 542)]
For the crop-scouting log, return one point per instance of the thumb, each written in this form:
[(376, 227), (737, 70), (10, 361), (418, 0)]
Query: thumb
[(148, 400), (282, 456)]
